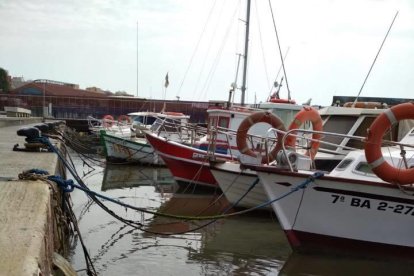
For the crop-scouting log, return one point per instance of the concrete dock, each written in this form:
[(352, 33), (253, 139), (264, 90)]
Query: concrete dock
[(27, 219)]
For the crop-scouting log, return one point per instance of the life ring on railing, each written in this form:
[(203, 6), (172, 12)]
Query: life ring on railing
[(107, 120), (371, 105), (248, 122), (373, 142), (307, 114), (286, 101), (124, 119)]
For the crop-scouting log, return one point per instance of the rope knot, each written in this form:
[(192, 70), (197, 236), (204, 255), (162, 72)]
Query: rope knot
[(316, 175), (66, 185)]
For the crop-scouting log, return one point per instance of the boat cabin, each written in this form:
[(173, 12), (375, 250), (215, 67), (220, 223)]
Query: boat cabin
[(355, 166)]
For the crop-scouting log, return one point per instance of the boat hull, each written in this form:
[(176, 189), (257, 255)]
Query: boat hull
[(235, 184), (187, 164), (341, 213), (127, 150)]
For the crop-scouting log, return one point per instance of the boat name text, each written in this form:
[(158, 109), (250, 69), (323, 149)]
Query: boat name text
[(377, 205)]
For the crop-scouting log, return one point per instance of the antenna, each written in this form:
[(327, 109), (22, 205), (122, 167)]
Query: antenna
[(137, 59), (372, 65), (280, 51)]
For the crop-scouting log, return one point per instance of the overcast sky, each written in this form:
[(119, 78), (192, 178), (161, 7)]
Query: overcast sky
[(94, 43)]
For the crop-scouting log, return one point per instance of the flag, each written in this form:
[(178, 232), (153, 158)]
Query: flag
[(166, 81)]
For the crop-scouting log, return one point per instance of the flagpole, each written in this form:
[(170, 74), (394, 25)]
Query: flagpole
[(137, 58), (166, 83)]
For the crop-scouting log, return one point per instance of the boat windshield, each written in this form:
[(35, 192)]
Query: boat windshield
[(145, 120), (166, 124), (337, 124)]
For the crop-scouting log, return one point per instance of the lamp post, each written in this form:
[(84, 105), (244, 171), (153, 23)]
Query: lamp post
[(44, 99)]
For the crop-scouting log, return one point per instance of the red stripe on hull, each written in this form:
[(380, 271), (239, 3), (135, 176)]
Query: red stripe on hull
[(304, 241), (190, 172), (185, 163)]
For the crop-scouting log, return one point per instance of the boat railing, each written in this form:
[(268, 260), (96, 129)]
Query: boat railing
[(300, 134), (112, 126), (93, 122), (256, 142), (176, 129)]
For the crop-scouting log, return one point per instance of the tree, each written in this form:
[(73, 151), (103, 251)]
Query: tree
[(4, 80)]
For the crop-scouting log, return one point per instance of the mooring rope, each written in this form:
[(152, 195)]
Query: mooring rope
[(68, 185)]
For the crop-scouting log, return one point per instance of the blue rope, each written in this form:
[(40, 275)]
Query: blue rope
[(69, 185), (300, 186), (44, 140), (66, 185), (38, 171)]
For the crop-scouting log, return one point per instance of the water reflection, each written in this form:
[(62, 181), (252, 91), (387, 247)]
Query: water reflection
[(248, 245), (251, 244), (306, 264), (129, 176)]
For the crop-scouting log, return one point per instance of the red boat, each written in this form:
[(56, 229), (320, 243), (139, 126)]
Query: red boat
[(190, 163), (186, 163)]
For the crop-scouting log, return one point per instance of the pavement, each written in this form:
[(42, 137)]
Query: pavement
[(26, 212)]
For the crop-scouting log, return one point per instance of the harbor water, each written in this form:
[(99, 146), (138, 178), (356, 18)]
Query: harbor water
[(249, 244)]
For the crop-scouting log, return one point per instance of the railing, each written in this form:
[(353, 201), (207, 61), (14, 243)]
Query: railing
[(177, 130), (257, 143), (95, 125), (308, 140)]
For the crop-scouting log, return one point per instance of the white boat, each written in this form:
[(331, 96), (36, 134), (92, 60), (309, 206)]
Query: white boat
[(241, 186), (235, 180), (351, 208), (120, 127), (136, 149), (143, 120)]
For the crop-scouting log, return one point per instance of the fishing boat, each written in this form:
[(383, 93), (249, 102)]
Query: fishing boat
[(190, 163), (136, 149), (242, 185), (365, 204), (120, 127)]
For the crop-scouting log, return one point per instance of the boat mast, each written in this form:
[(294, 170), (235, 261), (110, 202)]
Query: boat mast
[(137, 59), (246, 49)]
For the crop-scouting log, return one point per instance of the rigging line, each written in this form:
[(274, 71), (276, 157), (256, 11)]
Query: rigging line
[(237, 57), (209, 47), (280, 51), (237, 42), (197, 45), (375, 59), (218, 56), (261, 44), (278, 72)]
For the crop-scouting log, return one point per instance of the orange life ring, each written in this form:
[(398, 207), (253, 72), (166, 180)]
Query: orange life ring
[(286, 101), (373, 142), (124, 119), (363, 104), (107, 120), (248, 122), (307, 114)]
